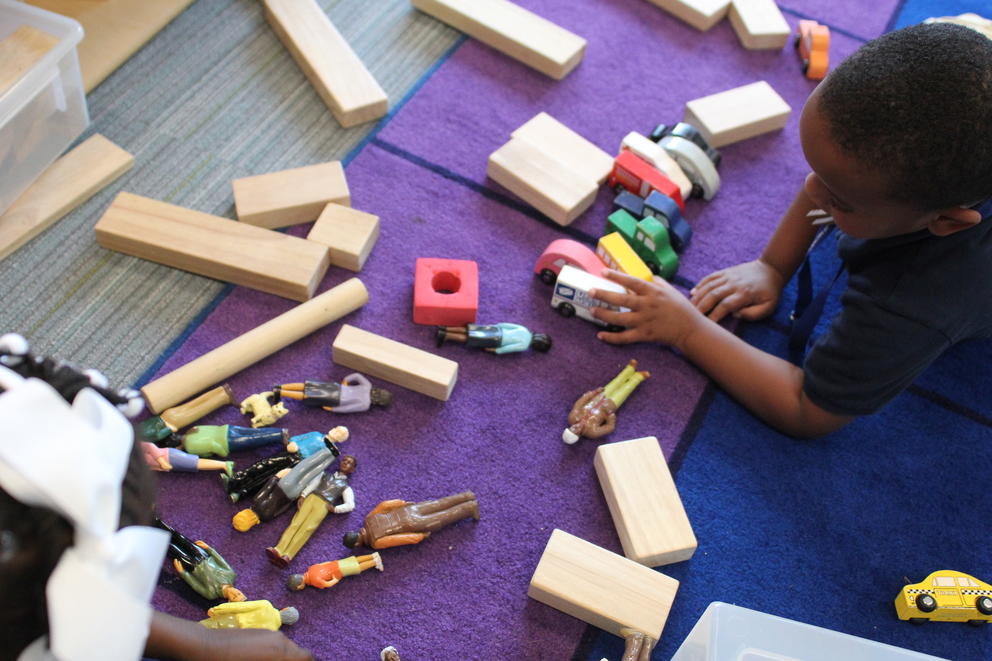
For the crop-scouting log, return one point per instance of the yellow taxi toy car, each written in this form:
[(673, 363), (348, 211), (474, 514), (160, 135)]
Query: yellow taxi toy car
[(946, 596)]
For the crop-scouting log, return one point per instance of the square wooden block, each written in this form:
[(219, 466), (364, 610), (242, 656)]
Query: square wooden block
[(652, 524), (700, 14), (759, 24), (555, 139), (348, 233), (600, 587), (290, 197)]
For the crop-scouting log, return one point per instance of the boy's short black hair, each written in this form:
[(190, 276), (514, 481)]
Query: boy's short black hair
[(916, 104)]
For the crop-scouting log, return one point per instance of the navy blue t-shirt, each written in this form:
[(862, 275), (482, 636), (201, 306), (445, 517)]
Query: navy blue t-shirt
[(908, 299)]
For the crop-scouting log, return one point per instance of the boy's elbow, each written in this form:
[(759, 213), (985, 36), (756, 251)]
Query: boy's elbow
[(813, 422)]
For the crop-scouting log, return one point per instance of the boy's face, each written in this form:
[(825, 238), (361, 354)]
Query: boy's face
[(855, 196)]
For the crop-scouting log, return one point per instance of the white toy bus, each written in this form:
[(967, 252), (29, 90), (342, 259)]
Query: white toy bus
[(571, 295)]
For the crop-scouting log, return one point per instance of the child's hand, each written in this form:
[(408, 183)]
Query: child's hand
[(748, 291), (248, 645), (658, 312)]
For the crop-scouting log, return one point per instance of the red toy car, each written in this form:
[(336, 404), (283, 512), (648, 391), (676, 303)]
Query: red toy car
[(640, 178)]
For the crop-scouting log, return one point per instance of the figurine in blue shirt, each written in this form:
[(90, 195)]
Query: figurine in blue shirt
[(496, 338)]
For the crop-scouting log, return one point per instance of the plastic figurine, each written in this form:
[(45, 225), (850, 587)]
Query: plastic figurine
[(389, 654), (259, 614), (566, 251), (813, 44), (172, 420), (638, 645), (200, 566), (354, 394), (594, 415), (333, 494), (496, 338), (399, 522), (283, 488), (248, 481), (172, 459), (946, 596), (221, 440), (329, 574), (313, 441), (263, 410)]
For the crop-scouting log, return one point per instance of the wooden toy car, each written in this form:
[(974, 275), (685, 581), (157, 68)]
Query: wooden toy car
[(664, 209), (640, 177), (571, 296), (813, 43), (649, 238), (617, 254), (690, 133), (946, 596), (632, 204), (566, 251), (694, 162)]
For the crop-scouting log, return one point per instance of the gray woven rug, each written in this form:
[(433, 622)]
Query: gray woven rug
[(213, 97)]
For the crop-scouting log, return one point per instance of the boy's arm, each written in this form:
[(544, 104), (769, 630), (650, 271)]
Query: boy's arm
[(173, 638), (770, 387)]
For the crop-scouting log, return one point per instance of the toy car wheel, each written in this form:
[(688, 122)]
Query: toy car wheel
[(977, 623), (918, 620), (796, 42), (548, 277), (805, 66), (926, 603), (566, 310), (984, 605)]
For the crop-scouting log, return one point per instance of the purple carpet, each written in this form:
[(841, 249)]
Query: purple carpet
[(462, 593)]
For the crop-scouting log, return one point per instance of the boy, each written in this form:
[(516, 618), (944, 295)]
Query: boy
[(899, 140)]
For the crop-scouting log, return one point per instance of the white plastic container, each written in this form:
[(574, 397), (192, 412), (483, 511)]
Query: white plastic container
[(732, 633), (44, 110)]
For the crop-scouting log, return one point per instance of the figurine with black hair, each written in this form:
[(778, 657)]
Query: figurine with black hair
[(354, 394), (201, 566), (495, 338), (248, 481)]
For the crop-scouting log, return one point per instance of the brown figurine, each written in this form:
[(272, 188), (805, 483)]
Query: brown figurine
[(399, 522), (638, 647), (594, 414)]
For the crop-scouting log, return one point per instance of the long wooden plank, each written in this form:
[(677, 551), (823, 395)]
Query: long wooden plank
[(700, 14), (600, 587), (335, 71), (289, 197), (215, 247), (67, 183), (20, 50), (737, 114), (647, 511), (512, 30), (393, 361), (114, 30)]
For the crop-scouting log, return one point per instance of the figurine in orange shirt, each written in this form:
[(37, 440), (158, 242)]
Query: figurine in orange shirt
[(329, 574), (399, 522)]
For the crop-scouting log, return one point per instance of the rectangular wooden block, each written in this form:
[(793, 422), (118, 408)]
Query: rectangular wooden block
[(512, 30), (63, 186), (700, 14), (759, 24), (21, 50), (557, 140), (541, 180), (738, 114), (348, 233), (647, 511), (215, 247), (600, 587), (393, 361), (290, 197), (335, 71)]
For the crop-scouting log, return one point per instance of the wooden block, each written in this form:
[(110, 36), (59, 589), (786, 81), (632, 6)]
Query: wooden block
[(512, 30), (251, 347), (759, 24), (541, 180), (63, 186), (290, 197), (21, 50), (335, 71), (738, 114), (600, 587), (557, 140), (348, 233), (700, 14), (215, 247), (647, 511), (395, 362)]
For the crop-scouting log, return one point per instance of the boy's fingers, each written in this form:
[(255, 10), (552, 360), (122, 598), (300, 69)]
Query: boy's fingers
[(621, 337), (611, 316), (611, 297), (635, 285), (754, 312), (706, 284)]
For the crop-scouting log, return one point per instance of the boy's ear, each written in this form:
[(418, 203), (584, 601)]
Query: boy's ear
[(952, 220)]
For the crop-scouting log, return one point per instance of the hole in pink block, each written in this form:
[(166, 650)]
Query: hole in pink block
[(446, 283)]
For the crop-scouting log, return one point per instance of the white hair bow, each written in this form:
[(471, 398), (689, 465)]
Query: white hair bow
[(72, 459)]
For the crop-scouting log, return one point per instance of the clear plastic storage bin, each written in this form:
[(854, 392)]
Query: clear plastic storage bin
[(44, 109), (732, 633)]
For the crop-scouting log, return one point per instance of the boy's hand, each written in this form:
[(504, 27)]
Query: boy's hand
[(658, 312), (747, 291)]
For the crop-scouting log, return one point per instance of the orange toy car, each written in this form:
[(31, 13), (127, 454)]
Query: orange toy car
[(813, 44)]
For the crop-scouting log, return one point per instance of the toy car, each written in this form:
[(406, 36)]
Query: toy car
[(648, 238), (690, 133), (617, 254), (640, 177), (813, 43), (664, 209), (946, 596), (659, 158), (566, 251), (694, 162), (571, 296)]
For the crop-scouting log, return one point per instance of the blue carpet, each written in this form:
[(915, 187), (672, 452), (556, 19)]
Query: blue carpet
[(828, 532)]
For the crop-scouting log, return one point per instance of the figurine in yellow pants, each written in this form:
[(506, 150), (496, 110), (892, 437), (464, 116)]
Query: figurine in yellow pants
[(258, 614), (594, 414)]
